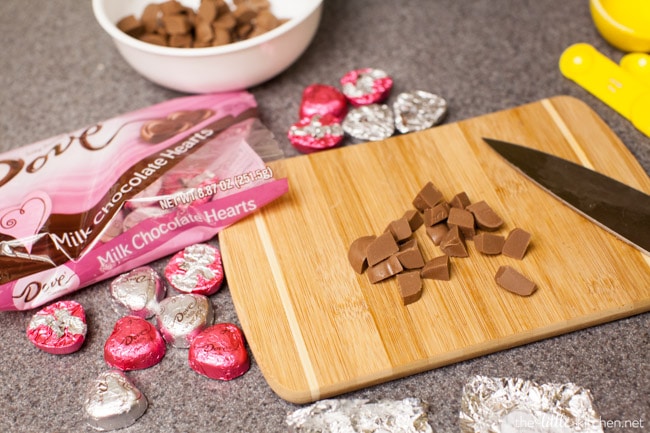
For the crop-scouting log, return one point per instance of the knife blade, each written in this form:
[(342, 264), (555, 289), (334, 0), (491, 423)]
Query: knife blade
[(616, 207)]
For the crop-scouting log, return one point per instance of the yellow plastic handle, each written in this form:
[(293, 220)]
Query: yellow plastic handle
[(609, 82), (637, 64)]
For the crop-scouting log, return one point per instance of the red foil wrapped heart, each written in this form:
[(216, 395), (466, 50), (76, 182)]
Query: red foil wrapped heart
[(134, 344), (323, 99), (219, 352), (59, 328)]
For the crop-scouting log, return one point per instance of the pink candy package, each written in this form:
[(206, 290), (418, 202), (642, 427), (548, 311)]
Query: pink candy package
[(82, 207)]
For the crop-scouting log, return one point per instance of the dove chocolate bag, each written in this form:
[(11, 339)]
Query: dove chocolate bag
[(81, 207)]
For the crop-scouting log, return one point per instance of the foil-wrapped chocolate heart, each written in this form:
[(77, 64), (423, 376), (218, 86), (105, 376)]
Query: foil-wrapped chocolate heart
[(370, 122), (134, 344), (418, 110), (219, 352), (60, 328), (138, 292), (182, 317), (113, 402), (196, 269)]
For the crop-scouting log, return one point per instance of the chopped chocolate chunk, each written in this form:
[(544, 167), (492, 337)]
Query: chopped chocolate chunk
[(180, 41), (154, 38), (400, 229), (414, 218), (381, 248), (385, 269), (357, 253), (453, 244), (511, 280), (203, 32), (410, 286), (437, 232), (131, 26), (171, 7), (428, 197), (464, 220), (176, 24), (207, 12), (436, 269), (221, 36), (460, 201), (489, 243), (485, 216), (516, 244), (409, 255), (227, 22), (436, 214), (150, 17)]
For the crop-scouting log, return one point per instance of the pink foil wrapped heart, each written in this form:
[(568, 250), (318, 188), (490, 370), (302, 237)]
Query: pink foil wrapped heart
[(59, 328), (134, 344), (219, 352), (315, 133), (366, 86), (321, 99), (197, 269)]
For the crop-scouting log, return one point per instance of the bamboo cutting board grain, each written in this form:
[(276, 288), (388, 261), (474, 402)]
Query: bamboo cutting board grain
[(317, 329)]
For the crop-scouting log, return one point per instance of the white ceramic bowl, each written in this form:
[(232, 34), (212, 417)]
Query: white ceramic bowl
[(229, 67)]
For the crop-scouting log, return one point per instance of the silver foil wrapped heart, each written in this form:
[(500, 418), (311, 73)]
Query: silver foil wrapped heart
[(138, 292), (509, 405), (360, 415), (370, 122), (113, 402), (418, 110), (182, 317)]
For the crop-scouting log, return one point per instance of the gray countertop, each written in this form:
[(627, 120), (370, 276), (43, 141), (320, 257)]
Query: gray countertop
[(59, 72)]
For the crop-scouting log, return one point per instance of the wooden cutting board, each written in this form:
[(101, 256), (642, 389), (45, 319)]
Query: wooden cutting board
[(317, 329)]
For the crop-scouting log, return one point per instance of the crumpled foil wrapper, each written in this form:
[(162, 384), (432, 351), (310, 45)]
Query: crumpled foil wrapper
[(361, 416), (511, 405), (370, 122)]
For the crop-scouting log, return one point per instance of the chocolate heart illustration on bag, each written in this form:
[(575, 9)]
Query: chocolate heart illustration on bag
[(24, 222)]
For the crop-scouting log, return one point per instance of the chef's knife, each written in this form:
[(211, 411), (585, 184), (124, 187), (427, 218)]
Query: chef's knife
[(618, 208)]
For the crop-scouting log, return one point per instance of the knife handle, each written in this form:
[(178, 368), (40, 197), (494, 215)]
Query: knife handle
[(609, 82)]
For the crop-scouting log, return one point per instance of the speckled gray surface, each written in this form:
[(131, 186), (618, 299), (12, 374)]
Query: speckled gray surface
[(59, 72)]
